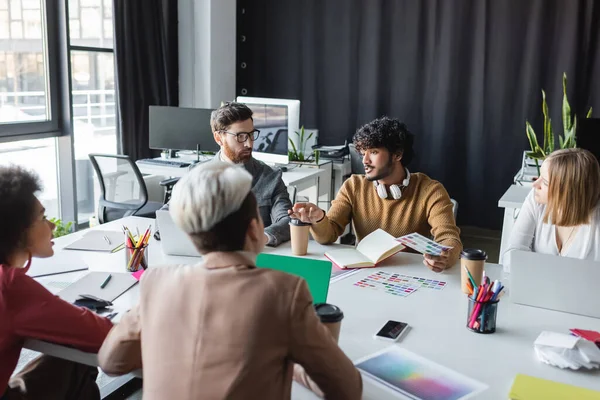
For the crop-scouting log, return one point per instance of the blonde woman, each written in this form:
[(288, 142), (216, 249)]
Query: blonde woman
[(561, 215)]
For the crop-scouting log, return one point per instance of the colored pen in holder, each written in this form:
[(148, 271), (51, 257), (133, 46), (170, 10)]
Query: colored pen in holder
[(481, 315), (136, 257)]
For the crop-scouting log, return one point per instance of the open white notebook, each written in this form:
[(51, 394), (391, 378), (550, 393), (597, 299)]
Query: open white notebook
[(374, 248)]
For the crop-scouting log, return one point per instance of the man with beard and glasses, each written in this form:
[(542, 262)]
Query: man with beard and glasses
[(388, 196), (233, 129)]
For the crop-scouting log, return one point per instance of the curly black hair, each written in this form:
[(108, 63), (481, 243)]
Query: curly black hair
[(17, 208), (388, 133)]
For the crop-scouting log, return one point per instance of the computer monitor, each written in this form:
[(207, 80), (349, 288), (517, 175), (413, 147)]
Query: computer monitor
[(277, 120), (176, 128)]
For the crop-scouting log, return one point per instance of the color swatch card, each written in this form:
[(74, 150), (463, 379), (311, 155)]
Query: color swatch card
[(409, 375), (386, 282), (419, 281), (423, 245)]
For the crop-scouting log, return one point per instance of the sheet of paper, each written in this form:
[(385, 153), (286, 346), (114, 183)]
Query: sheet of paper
[(422, 244), (385, 282), (60, 263), (409, 375), (95, 240), (555, 339)]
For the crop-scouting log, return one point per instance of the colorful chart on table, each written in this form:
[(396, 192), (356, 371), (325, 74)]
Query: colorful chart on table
[(421, 244), (410, 375), (418, 281), (383, 281)]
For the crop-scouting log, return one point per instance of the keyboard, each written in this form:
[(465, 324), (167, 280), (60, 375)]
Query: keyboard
[(164, 163)]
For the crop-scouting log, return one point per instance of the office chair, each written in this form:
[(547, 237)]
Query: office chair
[(123, 190)]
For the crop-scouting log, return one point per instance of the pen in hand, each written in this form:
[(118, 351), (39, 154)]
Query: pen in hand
[(103, 285)]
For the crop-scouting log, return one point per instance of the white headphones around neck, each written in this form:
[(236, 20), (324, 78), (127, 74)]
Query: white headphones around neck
[(395, 190)]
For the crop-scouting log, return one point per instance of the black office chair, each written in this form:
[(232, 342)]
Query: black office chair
[(123, 190)]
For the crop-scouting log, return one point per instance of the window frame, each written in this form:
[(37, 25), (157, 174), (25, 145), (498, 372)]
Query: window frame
[(54, 36)]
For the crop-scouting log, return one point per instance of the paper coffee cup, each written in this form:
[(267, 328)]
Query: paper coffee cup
[(474, 261), (299, 235), (331, 316)]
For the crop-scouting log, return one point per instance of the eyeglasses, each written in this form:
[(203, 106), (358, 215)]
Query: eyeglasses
[(244, 136)]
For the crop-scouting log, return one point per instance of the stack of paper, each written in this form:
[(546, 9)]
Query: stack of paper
[(566, 351), (530, 388)]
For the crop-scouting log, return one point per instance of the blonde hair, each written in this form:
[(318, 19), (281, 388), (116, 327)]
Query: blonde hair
[(208, 194), (573, 187)]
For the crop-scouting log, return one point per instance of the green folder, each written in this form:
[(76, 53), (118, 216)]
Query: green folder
[(530, 388), (316, 272)]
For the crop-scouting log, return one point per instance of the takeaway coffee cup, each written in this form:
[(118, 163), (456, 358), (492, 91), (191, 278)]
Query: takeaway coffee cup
[(474, 261), (331, 316), (299, 234)]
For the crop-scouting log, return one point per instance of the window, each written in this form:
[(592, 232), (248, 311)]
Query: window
[(24, 96), (94, 98), (39, 156)]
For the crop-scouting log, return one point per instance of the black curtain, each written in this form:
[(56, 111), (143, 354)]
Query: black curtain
[(463, 74), (146, 51)]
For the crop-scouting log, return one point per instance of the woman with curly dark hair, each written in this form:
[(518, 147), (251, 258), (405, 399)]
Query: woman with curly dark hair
[(28, 310)]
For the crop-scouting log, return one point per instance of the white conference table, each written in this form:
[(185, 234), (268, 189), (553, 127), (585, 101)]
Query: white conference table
[(437, 320)]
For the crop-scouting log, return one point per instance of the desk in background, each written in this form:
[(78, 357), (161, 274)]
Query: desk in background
[(437, 320), (319, 187), (511, 201)]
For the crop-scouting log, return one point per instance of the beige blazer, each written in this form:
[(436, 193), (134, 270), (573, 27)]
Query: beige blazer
[(225, 329)]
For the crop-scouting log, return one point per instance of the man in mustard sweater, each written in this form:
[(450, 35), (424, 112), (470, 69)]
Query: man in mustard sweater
[(388, 196)]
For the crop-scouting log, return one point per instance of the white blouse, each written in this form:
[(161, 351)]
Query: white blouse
[(530, 233)]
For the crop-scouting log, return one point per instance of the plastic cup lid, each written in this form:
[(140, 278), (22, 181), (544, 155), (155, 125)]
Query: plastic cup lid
[(297, 222), (473, 254), (328, 312)]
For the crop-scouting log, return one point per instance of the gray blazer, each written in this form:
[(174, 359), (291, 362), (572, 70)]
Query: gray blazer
[(272, 197)]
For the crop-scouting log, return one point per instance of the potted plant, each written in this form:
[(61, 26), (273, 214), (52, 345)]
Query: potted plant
[(567, 140), (61, 227), (298, 154)]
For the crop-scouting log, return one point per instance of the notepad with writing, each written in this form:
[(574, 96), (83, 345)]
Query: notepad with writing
[(530, 388), (373, 249)]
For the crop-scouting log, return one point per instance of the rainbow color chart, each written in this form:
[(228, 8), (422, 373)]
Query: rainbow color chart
[(388, 283), (402, 372), (421, 244)]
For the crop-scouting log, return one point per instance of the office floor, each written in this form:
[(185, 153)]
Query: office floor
[(484, 239)]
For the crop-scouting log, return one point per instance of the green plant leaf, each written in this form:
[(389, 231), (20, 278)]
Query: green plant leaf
[(566, 108), (536, 155), (561, 142), (589, 113), (548, 135), (533, 142)]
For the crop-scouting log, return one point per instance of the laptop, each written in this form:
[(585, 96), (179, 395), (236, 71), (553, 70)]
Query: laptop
[(174, 241), (555, 283)]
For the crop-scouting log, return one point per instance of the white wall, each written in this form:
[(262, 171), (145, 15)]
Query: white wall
[(207, 47)]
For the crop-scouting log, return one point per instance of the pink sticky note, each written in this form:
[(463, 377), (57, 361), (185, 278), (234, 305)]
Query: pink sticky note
[(138, 274)]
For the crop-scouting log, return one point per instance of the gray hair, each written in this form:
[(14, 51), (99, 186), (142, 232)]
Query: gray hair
[(208, 194)]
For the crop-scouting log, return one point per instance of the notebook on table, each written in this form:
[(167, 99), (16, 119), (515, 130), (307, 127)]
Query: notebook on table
[(316, 272), (91, 284), (96, 240), (530, 388), (61, 262), (373, 249)]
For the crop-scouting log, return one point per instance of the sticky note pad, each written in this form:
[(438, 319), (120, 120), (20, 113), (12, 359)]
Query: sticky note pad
[(530, 388)]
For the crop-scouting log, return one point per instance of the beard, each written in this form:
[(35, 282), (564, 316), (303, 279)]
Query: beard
[(380, 173), (237, 157)]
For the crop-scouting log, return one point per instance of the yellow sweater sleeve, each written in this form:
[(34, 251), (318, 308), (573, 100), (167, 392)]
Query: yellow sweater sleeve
[(339, 215), (441, 219)]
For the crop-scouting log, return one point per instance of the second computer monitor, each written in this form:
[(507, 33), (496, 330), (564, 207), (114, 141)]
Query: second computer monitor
[(177, 128)]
